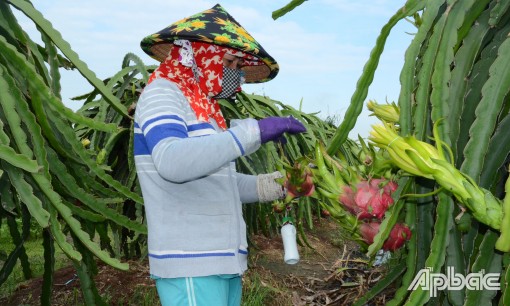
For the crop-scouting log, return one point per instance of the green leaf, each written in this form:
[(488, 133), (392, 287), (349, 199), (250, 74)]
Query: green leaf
[(478, 77), (41, 90), (498, 12), (407, 76), (84, 214), (453, 19), (499, 148), (86, 270), (140, 66), (13, 31), (26, 194), (459, 82), (493, 94), (487, 261), (65, 48), (455, 259), (86, 283), (75, 226), (53, 62), (287, 8), (440, 241), (84, 155), (424, 75), (505, 296), (98, 205), (60, 237), (18, 160), (23, 114)]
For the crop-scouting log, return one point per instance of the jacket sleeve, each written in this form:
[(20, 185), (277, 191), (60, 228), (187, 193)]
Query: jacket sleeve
[(247, 185), (177, 157)]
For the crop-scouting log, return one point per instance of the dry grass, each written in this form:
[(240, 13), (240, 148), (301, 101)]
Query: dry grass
[(334, 273)]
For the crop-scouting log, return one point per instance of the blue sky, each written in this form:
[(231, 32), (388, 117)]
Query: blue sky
[(321, 46)]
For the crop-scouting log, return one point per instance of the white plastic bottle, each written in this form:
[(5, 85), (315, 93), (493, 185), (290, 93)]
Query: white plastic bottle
[(288, 231)]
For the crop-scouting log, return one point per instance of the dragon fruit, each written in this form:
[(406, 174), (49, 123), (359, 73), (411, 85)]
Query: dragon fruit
[(299, 182), (399, 234), (278, 206), (371, 198)]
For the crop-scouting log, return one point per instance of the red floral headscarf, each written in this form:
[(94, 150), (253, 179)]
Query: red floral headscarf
[(204, 63)]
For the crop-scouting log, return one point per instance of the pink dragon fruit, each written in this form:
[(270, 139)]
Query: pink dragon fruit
[(370, 199), (399, 234), (348, 199), (299, 182)]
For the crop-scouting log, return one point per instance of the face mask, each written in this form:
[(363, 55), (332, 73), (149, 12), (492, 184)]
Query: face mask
[(231, 81)]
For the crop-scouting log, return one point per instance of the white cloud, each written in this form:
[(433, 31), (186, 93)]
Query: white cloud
[(365, 7), (321, 47)]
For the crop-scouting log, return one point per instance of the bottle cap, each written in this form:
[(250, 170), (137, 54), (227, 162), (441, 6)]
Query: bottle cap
[(286, 220)]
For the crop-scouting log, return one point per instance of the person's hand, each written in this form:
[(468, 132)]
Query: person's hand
[(272, 128)]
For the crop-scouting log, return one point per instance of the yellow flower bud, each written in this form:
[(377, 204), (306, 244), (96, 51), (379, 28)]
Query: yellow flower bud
[(385, 112), (85, 142)]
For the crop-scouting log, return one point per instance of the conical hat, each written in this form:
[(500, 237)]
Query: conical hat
[(215, 26)]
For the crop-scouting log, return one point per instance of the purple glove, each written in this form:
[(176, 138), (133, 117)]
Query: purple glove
[(272, 128)]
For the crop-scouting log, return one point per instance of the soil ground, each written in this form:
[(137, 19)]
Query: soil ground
[(333, 273)]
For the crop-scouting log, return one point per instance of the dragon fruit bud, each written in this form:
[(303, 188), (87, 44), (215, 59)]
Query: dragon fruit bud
[(278, 207), (368, 160), (399, 234), (325, 213), (300, 186)]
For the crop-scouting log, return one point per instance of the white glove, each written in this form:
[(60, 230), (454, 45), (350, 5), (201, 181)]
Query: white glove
[(269, 190)]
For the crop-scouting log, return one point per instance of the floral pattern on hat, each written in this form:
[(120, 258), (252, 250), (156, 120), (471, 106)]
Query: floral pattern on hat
[(214, 26)]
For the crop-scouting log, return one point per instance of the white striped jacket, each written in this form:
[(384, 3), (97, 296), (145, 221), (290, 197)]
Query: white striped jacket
[(191, 191)]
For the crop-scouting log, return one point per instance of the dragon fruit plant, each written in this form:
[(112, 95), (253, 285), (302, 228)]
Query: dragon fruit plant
[(358, 195), (298, 182), (422, 159), (455, 71)]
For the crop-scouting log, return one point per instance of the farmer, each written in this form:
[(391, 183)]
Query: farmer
[(184, 153)]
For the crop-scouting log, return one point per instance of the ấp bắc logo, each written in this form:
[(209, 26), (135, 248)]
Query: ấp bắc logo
[(434, 282)]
